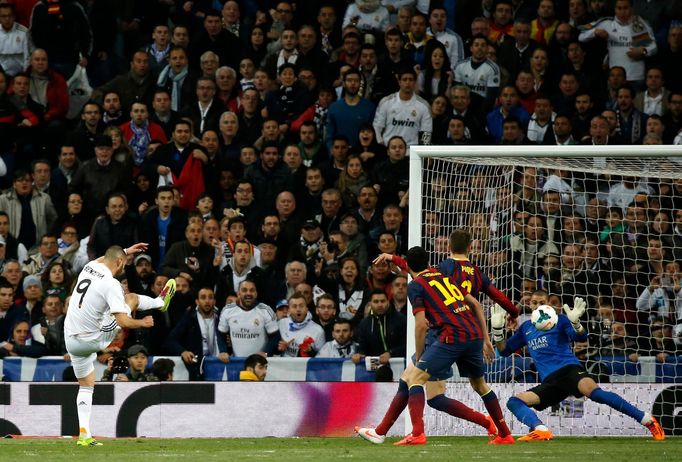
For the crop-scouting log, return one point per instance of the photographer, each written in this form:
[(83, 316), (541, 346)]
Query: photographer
[(132, 369), (663, 296)]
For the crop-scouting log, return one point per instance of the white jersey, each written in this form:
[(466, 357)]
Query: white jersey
[(536, 132), (453, 43), (15, 49), (95, 298), (376, 20), (290, 330), (409, 119), (621, 38), (248, 329), (478, 78), (334, 350)]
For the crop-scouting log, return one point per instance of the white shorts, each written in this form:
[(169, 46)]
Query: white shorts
[(83, 350)]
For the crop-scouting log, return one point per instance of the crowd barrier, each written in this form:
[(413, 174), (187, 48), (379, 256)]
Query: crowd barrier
[(502, 370)]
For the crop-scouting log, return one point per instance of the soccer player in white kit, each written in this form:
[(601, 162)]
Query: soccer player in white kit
[(97, 310)]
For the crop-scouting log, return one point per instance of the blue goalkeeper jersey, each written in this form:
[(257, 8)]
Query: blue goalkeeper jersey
[(551, 350)]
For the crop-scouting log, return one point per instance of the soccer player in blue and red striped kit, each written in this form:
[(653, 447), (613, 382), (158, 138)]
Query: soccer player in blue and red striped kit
[(462, 334), (468, 275)]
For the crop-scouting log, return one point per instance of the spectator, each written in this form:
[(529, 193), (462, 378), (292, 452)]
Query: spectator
[(382, 332), (31, 212), (348, 114), (404, 113), (481, 75), (342, 346), (196, 335), (14, 57), (180, 162), (135, 85), (162, 370), (114, 228), (63, 31), (204, 112), (251, 326), (212, 37), (143, 135), (175, 79), (20, 343), (50, 329), (629, 37), (301, 336), (98, 177), (256, 365), (193, 259)]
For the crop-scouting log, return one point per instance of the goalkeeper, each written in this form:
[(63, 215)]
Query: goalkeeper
[(561, 373)]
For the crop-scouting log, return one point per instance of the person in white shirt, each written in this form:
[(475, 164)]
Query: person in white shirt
[(404, 113), (15, 42), (629, 39), (252, 326), (98, 309), (343, 345), (451, 40), (301, 336)]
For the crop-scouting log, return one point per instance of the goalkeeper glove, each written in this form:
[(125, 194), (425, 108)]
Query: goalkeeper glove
[(498, 318), (574, 314)]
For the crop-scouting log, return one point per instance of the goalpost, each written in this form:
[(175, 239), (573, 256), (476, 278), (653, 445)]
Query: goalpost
[(577, 221)]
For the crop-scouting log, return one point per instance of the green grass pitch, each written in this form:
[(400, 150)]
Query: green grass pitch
[(323, 449)]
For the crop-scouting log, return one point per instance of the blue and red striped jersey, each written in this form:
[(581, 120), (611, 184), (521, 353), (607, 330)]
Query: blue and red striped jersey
[(466, 275), (442, 299), (471, 278)]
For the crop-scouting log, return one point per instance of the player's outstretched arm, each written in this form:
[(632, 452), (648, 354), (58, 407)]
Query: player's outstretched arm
[(497, 296), (126, 322)]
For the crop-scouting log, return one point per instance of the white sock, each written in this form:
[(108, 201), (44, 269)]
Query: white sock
[(84, 407), (646, 420), (148, 303), (541, 428)]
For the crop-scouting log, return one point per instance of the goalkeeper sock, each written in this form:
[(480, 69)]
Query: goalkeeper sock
[(84, 408), (615, 401), (524, 413), (396, 408), (457, 409), (492, 404), (148, 303), (416, 405)]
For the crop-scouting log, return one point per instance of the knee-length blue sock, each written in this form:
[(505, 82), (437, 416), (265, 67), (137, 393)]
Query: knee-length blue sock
[(615, 401), (522, 412)]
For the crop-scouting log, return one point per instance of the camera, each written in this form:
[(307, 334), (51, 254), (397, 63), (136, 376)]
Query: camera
[(120, 365), (332, 246)]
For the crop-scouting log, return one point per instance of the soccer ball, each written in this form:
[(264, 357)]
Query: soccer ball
[(544, 318)]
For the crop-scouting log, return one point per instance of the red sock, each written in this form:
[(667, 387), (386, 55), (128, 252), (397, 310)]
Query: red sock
[(397, 406), (492, 404), (416, 405), (458, 409)]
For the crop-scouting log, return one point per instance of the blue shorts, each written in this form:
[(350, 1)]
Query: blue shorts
[(439, 357)]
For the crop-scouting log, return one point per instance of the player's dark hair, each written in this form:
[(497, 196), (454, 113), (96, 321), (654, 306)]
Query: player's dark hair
[(417, 259), (253, 360), (459, 241)]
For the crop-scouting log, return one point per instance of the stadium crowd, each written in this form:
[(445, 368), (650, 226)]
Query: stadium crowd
[(260, 147)]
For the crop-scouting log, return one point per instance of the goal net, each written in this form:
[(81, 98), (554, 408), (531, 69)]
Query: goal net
[(551, 224)]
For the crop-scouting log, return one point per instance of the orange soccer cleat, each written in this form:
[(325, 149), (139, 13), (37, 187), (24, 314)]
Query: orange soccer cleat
[(509, 439), (656, 429), (491, 428), (410, 440), (538, 435)]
